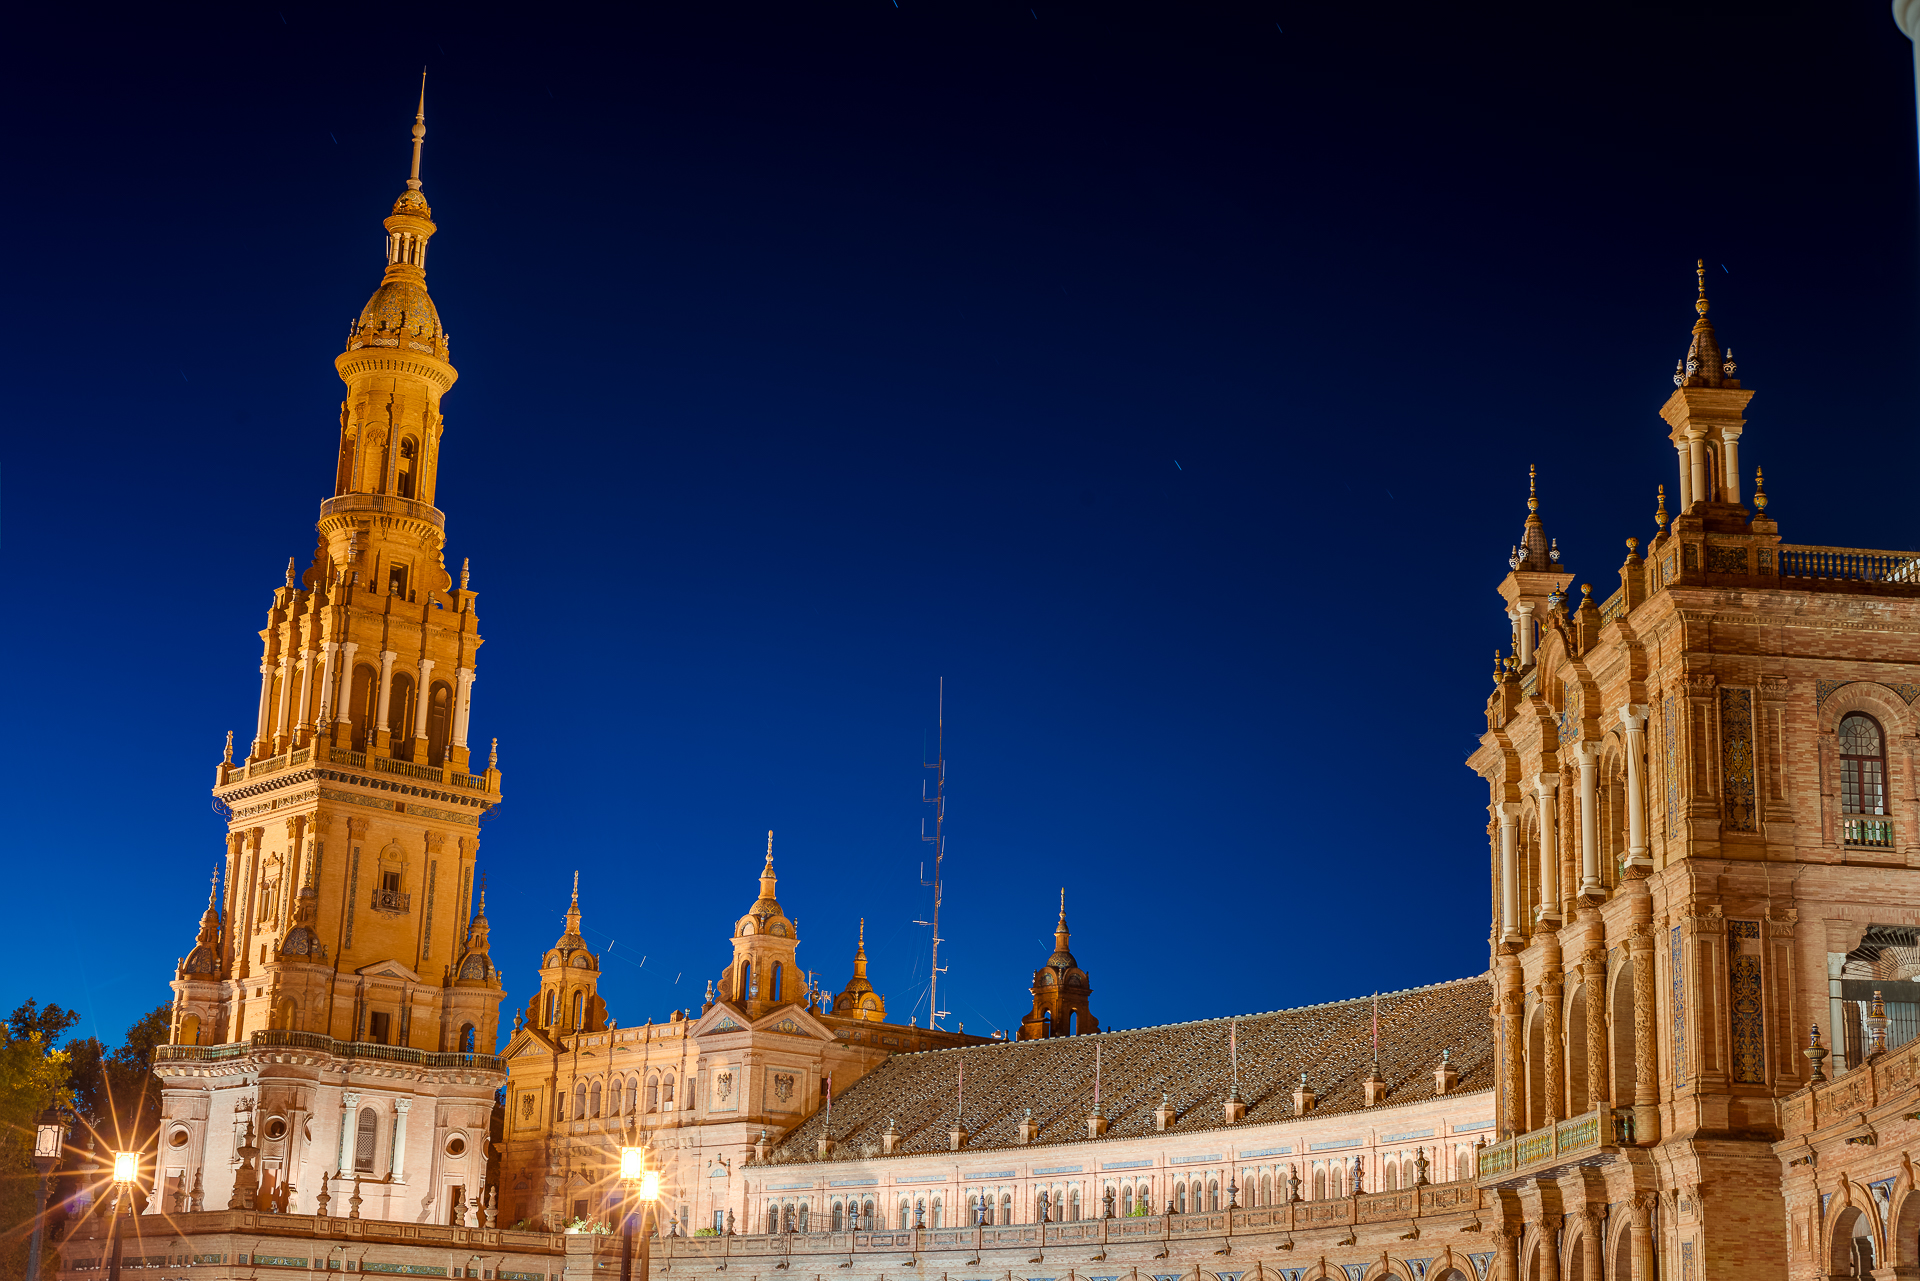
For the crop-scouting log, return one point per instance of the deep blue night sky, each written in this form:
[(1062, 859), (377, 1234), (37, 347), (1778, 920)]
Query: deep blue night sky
[(1166, 380)]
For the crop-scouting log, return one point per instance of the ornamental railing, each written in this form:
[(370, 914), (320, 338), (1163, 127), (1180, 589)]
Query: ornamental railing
[(385, 504), (1866, 831), (284, 1038), (408, 769), (1571, 1142), (1614, 606), (1852, 564)]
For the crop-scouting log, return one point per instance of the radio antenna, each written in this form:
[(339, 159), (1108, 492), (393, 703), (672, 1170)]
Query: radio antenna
[(939, 842)]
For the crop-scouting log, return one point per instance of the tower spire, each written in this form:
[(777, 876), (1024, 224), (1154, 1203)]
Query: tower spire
[(419, 133)]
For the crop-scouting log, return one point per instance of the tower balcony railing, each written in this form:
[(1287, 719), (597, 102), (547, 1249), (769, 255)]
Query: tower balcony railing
[(385, 505), (1854, 564), (285, 1038), (1588, 1139)]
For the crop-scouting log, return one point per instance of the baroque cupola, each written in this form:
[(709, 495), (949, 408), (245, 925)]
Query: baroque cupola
[(1535, 584), (858, 1000), (1705, 415), (475, 966), (569, 999), (301, 941), (1061, 991), (763, 973), (203, 962)]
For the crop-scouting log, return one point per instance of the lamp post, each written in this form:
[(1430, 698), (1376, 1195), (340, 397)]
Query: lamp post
[(636, 1177), (126, 1168), (48, 1136)]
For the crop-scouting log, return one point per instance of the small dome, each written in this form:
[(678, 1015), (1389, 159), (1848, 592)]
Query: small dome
[(401, 304), (412, 202), (204, 959)]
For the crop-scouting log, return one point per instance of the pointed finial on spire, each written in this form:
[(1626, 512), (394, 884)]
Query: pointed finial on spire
[(493, 755), (289, 571), (466, 564), (769, 847), (1759, 491), (1533, 494), (228, 758), (419, 133), (576, 887), (1063, 904), (1700, 303), (863, 934), (1660, 513)]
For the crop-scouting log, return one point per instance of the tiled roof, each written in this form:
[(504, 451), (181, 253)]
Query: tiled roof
[(1331, 1043)]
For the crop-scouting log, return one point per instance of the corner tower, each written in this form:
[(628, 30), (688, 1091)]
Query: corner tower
[(1061, 991), (353, 827), (569, 998)]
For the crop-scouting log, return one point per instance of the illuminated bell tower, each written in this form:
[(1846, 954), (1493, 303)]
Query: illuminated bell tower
[(763, 974), (353, 828)]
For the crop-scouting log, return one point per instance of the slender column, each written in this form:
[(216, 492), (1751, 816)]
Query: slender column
[(1686, 475), (1589, 820), (1554, 1069), (1525, 611), (349, 1107), (286, 699), (1592, 1240), (306, 690), (1646, 1062), (397, 1166), (420, 699), (344, 704), (261, 727), (465, 706), (1640, 1237), (1510, 1254), (1512, 1003), (1730, 462), (1509, 874), (1633, 718), (1550, 1246), (1697, 461), (1547, 788), (386, 693), (1593, 969), (328, 650)]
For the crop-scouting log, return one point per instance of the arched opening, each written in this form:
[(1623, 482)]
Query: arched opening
[(1863, 781), (364, 690), (866, 1214), (1576, 1054), (466, 1038), (593, 1106), (1266, 1189), (1390, 1181), (1179, 1198), (439, 721), (800, 1218), (1622, 1253), (666, 1091), (363, 1137), (836, 1217), (1574, 1268), (579, 1019), (1046, 1023), (400, 710), (190, 1030), (553, 999), (1073, 1022), (934, 1222), (1126, 1202), (773, 1219), (1851, 1249), (773, 987), (746, 981), (1006, 1207), (1536, 1068), (284, 1016), (1532, 1270), (403, 481), (1620, 1032), (1213, 1195), (653, 1094), (1319, 1185), (580, 1101)]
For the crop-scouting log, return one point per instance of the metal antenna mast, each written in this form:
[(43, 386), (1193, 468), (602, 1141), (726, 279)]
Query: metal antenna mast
[(939, 842)]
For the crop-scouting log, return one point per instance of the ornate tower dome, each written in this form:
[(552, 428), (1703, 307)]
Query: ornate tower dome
[(858, 1000), (1061, 991), (763, 973)]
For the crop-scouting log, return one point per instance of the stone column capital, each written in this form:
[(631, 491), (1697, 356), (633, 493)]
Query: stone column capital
[(1523, 607), (1633, 717), (401, 1105), (1546, 783), (426, 665), (1508, 812), (387, 658), (1589, 752), (349, 1099)]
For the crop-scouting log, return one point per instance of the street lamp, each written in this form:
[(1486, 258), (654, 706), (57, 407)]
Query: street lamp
[(126, 1168), (48, 1136), (637, 1178)]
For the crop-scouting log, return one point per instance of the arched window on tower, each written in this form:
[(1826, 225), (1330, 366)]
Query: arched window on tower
[(553, 999), (666, 1091), (653, 1094), (466, 1040), (439, 721), (1046, 1023), (362, 704), (403, 482), (633, 1094), (363, 1141), (579, 1019), (773, 988), (400, 710), (745, 990), (580, 1101), (593, 1108), (1863, 782)]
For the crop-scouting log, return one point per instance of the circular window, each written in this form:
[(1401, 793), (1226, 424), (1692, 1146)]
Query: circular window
[(276, 1127), (456, 1145), (178, 1139)]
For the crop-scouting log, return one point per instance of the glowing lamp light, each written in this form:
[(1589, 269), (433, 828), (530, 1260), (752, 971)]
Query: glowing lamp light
[(632, 1163), (126, 1167), (47, 1136), (650, 1186)]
